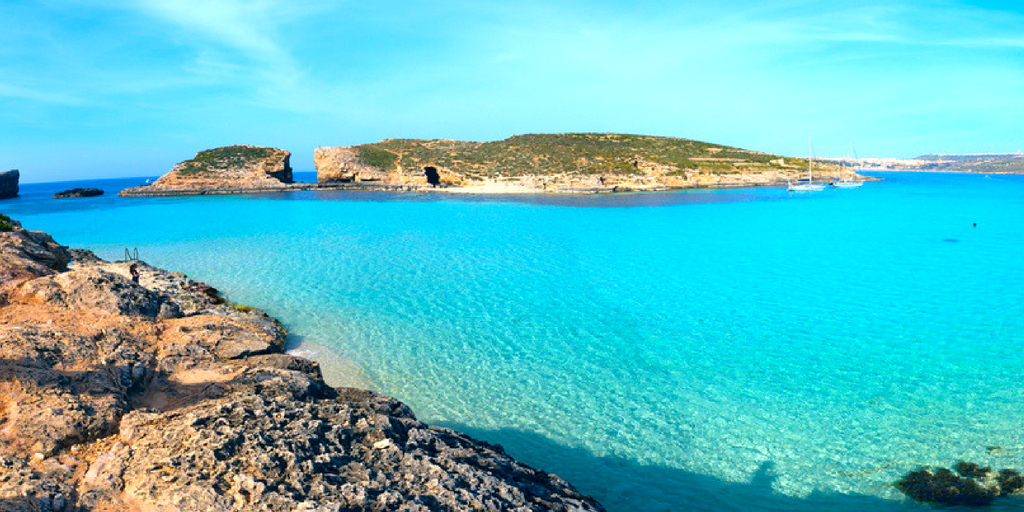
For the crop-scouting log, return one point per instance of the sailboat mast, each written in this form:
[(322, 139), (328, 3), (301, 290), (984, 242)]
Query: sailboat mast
[(810, 162)]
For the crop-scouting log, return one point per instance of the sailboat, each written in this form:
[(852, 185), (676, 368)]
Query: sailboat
[(848, 181), (809, 185)]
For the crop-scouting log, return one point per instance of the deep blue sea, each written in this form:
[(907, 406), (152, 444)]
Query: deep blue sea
[(724, 350)]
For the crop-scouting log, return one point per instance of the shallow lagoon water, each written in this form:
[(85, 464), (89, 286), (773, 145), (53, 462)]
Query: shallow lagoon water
[(711, 350)]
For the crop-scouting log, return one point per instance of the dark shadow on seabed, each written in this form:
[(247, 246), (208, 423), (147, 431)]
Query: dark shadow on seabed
[(623, 485)]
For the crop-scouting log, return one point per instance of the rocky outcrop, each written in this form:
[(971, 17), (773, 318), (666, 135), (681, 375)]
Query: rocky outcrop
[(151, 392), (9, 183), (230, 169), (27, 254), (78, 192), (342, 165)]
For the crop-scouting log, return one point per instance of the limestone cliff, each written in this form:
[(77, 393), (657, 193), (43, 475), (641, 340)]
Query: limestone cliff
[(127, 387), (576, 162), (241, 168)]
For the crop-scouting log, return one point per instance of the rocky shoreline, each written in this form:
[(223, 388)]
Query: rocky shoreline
[(125, 386), (149, 191)]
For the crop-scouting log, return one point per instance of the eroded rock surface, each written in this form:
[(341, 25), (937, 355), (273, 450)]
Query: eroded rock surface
[(160, 395), (343, 165), (230, 169)]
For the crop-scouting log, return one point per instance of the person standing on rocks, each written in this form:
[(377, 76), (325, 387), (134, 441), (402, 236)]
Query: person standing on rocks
[(134, 270)]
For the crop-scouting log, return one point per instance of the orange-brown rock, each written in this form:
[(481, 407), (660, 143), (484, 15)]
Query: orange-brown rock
[(230, 169)]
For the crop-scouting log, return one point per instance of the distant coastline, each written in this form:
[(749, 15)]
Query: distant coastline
[(981, 163)]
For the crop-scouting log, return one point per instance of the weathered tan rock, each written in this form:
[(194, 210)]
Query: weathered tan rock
[(342, 165), (28, 254), (240, 168), (160, 395)]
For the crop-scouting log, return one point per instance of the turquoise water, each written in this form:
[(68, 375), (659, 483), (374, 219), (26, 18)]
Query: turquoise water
[(713, 350)]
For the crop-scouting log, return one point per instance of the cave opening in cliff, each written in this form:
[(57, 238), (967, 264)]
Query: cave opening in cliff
[(432, 176)]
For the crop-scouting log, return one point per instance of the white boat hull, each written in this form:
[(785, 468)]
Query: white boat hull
[(806, 187), (847, 184)]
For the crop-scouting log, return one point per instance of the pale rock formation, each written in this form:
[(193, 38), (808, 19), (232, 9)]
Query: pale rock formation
[(342, 165)]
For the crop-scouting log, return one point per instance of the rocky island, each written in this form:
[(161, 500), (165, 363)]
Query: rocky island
[(128, 387), (9, 183), (227, 170), (560, 163), (575, 162), (78, 192)]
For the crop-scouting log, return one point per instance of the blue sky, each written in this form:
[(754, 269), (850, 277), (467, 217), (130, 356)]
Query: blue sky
[(92, 88)]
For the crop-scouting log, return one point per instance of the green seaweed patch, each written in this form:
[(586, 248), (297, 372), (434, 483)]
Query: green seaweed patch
[(243, 309), (5, 223)]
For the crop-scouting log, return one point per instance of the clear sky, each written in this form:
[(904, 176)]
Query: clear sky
[(93, 88)]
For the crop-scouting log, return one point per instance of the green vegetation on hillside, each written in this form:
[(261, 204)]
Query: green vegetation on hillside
[(574, 153), (5, 223), (381, 158), (223, 158)]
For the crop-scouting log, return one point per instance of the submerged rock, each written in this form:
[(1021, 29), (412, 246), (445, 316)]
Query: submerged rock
[(970, 485), (78, 192), (161, 395)]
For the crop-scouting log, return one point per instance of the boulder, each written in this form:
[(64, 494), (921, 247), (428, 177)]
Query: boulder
[(26, 254), (9, 183)]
